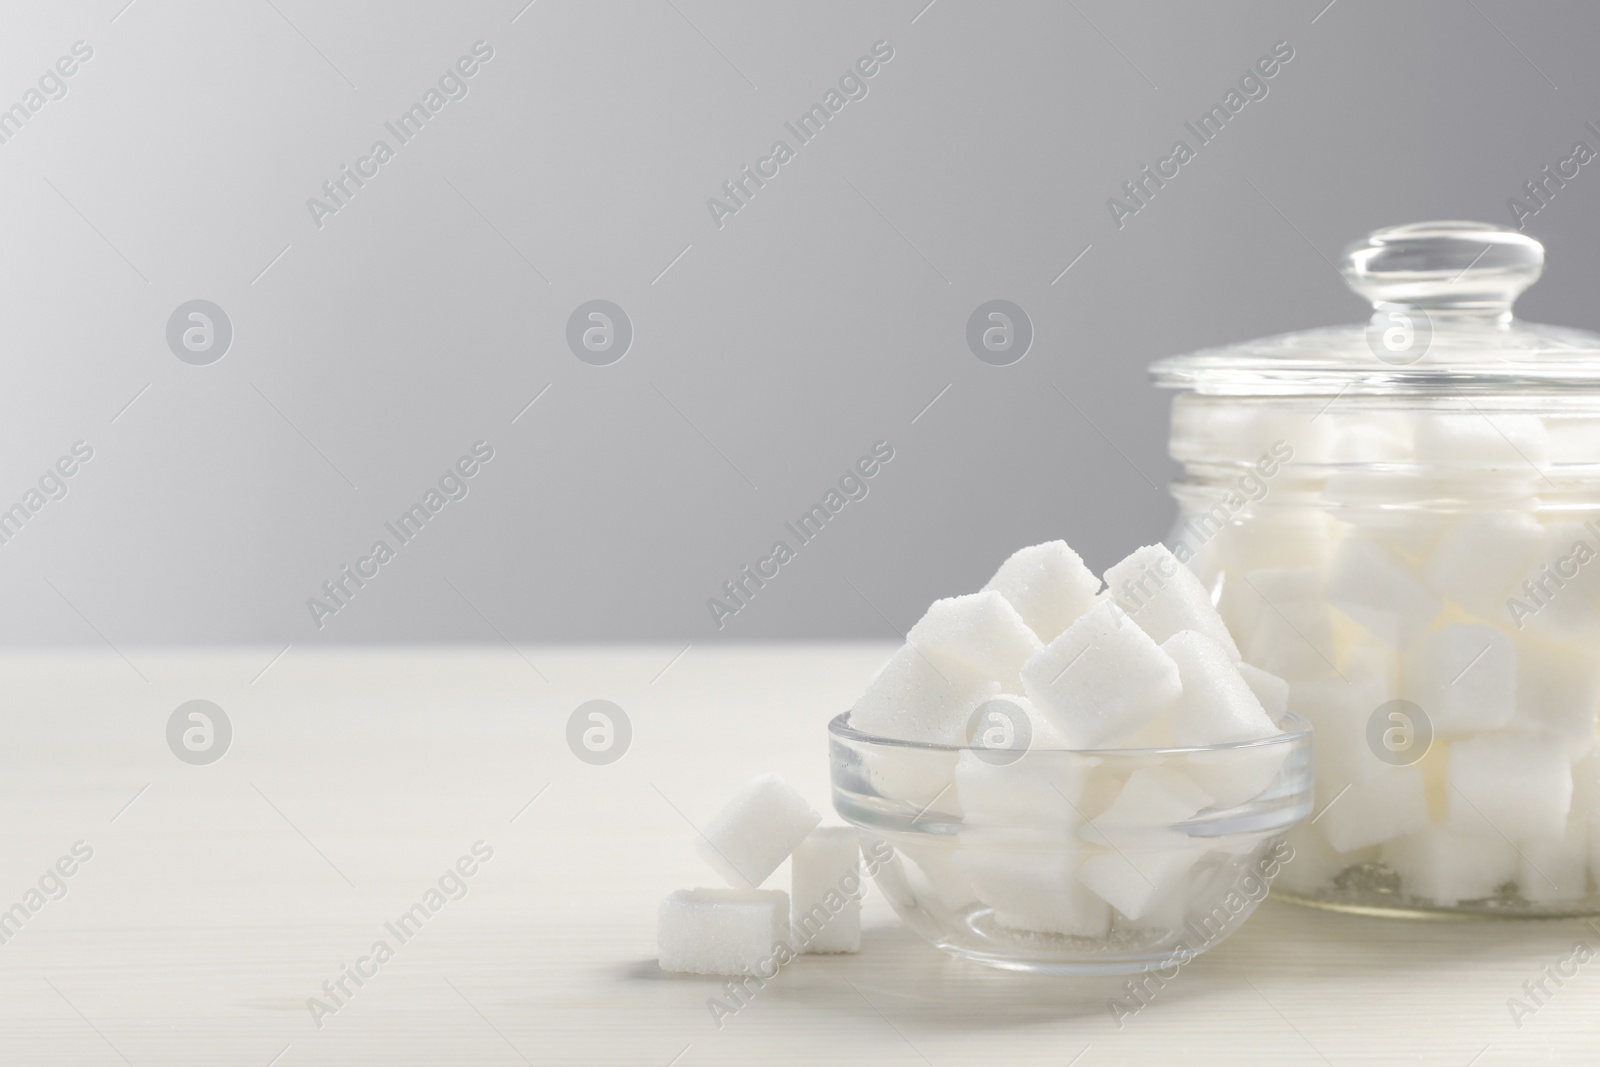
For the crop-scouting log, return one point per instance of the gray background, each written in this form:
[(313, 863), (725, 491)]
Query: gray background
[(825, 316)]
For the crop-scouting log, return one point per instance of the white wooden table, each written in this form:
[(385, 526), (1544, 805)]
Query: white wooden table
[(220, 898)]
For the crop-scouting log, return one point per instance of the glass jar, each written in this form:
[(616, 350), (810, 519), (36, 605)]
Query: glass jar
[(1402, 519)]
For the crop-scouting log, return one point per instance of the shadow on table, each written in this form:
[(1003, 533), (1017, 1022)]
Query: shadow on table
[(899, 976)]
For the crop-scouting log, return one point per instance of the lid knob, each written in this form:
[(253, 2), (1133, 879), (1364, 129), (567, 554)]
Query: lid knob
[(1472, 269)]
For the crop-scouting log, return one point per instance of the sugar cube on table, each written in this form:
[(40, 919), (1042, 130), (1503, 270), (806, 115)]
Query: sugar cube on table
[(1464, 677), (1509, 785), (1162, 596), (825, 891), (722, 931), (1553, 871), (1048, 585), (1479, 560), (1558, 692), (1392, 803), (1034, 891), (1102, 678), (1270, 690), (981, 632), (1372, 585), (914, 699), (755, 831), (1446, 867), (1217, 704)]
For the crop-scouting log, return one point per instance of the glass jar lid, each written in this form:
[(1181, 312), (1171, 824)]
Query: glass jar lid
[(1441, 294)]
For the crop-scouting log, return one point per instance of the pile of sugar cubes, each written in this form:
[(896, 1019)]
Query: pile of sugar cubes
[(1146, 662), (744, 929), (1446, 580)]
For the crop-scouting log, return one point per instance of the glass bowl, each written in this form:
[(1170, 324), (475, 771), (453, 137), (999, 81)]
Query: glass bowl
[(1056, 861)]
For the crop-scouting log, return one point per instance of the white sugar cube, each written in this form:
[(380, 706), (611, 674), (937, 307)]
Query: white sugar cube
[(1573, 439), (931, 874), (1372, 585), (1339, 710), (1235, 775), (826, 888), (981, 632), (1144, 861), (1464, 676), (1366, 657), (1163, 597), (755, 831), (1048, 585), (1034, 891), (1516, 786), (1392, 803), (1102, 678), (1168, 907), (1151, 801), (1010, 727), (1217, 704), (1446, 868), (1038, 787), (1558, 692), (1381, 506), (1478, 561), (1132, 879), (1558, 595), (1470, 439), (1281, 619), (1276, 538), (1270, 690), (1371, 437), (914, 699), (722, 931), (1554, 871), (1252, 431)]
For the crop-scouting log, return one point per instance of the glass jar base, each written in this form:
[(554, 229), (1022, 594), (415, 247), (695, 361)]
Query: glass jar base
[(1388, 905)]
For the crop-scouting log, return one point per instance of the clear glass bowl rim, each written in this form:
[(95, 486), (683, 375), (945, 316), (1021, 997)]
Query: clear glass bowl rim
[(1295, 729)]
